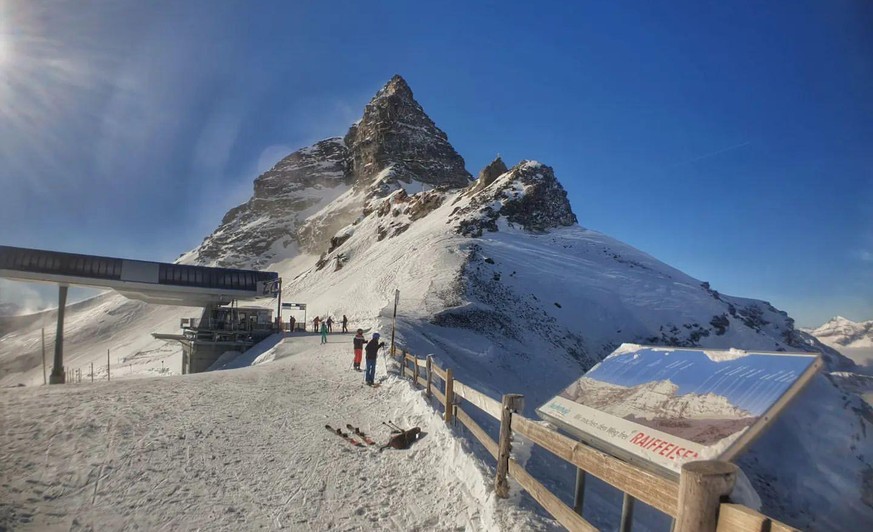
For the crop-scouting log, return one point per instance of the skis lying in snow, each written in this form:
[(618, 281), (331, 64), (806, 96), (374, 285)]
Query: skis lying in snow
[(344, 436), (360, 433)]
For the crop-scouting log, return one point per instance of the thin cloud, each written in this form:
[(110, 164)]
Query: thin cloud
[(712, 154)]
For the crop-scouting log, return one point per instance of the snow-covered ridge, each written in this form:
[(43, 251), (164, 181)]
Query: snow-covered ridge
[(839, 331)]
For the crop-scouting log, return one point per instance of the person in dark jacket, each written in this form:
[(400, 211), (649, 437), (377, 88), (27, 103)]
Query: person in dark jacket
[(345, 324), (329, 324), (372, 348), (358, 341)]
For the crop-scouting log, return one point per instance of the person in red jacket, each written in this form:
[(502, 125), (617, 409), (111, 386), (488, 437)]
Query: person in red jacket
[(358, 341)]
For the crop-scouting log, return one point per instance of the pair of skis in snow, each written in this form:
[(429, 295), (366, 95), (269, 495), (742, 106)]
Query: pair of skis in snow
[(346, 436)]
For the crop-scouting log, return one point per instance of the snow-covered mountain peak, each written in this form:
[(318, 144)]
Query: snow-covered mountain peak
[(844, 332), (300, 203)]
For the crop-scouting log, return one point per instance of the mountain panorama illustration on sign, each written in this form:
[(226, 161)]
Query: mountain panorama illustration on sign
[(670, 406)]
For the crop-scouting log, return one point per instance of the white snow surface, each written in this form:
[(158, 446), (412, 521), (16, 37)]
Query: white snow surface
[(241, 450), (510, 312)]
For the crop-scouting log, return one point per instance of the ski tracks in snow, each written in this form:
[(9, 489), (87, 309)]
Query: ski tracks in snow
[(240, 449)]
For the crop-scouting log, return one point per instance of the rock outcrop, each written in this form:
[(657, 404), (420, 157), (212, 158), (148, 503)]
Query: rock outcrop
[(489, 174), (528, 196)]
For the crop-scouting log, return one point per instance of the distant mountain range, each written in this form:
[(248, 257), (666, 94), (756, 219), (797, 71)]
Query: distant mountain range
[(839, 331)]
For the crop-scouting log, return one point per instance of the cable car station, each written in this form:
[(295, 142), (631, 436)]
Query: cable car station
[(220, 328)]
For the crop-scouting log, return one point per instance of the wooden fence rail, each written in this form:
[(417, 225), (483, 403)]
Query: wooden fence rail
[(694, 502)]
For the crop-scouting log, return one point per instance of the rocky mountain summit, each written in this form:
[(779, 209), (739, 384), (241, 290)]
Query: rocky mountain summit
[(395, 143), (396, 136)]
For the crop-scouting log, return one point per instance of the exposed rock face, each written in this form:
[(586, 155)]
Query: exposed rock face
[(324, 164), (529, 195), (396, 134), (542, 204), (394, 142), (254, 233), (489, 174)]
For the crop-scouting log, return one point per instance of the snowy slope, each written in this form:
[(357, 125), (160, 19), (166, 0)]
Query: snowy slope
[(240, 450), (499, 282), (513, 311), (105, 322)]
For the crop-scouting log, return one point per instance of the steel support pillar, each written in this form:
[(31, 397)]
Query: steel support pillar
[(58, 376)]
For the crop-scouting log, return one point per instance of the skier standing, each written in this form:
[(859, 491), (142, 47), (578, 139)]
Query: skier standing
[(372, 348), (329, 324), (358, 341), (315, 322), (323, 332), (345, 324)]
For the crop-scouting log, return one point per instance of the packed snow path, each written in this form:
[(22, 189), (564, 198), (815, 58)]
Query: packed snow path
[(239, 449)]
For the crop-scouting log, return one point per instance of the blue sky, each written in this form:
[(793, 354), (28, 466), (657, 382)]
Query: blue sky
[(730, 140)]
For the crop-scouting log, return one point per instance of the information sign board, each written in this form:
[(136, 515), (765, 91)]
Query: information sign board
[(667, 406)]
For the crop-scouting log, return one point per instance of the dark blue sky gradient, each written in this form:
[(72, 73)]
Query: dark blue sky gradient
[(730, 140)]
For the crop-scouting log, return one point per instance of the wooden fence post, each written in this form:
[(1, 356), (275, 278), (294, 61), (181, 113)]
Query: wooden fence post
[(402, 363), (415, 373), (511, 403), (450, 395), (701, 486), (92, 372), (428, 365)]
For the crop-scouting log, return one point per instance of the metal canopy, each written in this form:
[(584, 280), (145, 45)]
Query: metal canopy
[(152, 282)]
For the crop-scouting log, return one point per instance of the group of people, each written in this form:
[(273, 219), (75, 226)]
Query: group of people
[(361, 345), (327, 326), (372, 348)]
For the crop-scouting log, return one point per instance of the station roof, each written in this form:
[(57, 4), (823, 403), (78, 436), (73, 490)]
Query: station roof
[(152, 282)]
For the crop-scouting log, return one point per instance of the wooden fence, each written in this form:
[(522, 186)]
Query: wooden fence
[(695, 502)]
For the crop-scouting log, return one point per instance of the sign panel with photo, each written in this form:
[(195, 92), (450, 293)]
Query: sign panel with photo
[(667, 406)]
